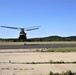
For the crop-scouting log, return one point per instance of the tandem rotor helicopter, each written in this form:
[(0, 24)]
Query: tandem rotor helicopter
[(22, 34)]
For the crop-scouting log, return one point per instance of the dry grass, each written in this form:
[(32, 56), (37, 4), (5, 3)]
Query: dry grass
[(51, 42), (66, 49)]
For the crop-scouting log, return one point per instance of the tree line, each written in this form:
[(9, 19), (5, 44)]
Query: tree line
[(54, 38), (49, 38)]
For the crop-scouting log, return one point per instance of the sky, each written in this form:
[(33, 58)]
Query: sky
[(56, 17)]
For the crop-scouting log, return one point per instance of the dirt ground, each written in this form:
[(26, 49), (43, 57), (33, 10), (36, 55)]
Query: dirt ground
[(20, 68)]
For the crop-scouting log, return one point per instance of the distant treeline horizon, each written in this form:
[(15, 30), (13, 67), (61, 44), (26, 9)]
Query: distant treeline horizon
[(41, 39)]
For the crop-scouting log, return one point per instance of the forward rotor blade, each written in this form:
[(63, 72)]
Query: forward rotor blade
[(9, 27), (26, 29), (31, 29)]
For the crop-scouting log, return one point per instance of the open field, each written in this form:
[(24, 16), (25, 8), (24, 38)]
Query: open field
[(37, 58), (17, 63), (51, 42)]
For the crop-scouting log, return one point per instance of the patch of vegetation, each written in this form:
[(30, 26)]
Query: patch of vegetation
[(67, 49), (33, 63), (20, 69), (48, 62), (58, 62), (63, 73), (15, 68), (14, 74), (5, 68)]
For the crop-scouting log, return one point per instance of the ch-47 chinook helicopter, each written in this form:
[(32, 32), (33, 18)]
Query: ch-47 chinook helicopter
[(22, 34)]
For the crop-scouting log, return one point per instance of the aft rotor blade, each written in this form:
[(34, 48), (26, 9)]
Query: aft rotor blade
[(31, 29), (10, 27)]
